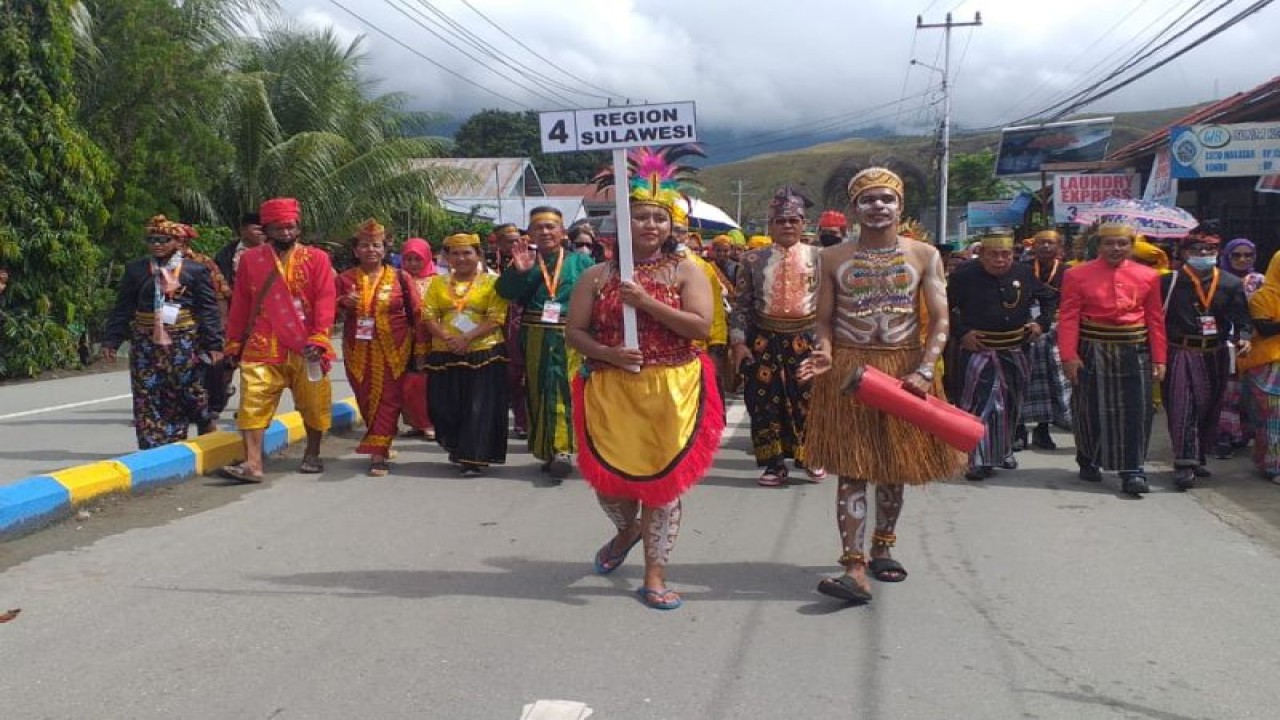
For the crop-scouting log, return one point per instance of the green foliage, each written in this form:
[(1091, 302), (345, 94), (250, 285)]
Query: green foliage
[(972, 178), (151, 84), (212, 238), (52, 185), (497, 133), (303, 121)]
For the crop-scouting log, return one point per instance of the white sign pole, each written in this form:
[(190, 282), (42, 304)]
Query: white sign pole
[(626, 262)]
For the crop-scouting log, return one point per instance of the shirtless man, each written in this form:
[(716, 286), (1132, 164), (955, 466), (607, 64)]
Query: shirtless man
[(869, 296)]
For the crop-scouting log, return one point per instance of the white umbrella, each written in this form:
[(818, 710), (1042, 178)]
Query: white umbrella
[(706, 216)]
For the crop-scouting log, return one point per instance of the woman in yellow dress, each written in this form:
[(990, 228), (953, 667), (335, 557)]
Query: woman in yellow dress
[(467, 362)]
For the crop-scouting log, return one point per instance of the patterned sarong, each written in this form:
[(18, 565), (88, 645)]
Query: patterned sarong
[(549, 366), (1113, 406), (994, 383), (1194, 386), (1048, 395), (777, 403)]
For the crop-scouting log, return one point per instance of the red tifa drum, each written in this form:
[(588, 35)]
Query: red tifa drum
[(935, 416)]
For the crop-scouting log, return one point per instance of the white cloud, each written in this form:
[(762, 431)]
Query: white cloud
[(758, 66)]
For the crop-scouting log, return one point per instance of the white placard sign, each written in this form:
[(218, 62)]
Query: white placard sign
[(624, 126), (616, 129)]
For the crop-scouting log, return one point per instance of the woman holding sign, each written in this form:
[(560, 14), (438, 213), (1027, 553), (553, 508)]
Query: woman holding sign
[(467, 363), (648, 419)]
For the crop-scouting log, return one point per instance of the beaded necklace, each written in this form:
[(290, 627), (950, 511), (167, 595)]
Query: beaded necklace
[(878, 281)]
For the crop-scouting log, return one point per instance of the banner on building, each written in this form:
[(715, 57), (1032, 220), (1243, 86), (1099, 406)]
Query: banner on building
[(995, 213), (1025, 148), (1074, 193), (1229, 150)]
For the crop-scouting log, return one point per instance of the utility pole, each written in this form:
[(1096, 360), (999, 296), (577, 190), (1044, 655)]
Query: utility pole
[(739, 194), (945, 162)]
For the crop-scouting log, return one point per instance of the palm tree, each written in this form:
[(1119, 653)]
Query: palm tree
[(304, 121)]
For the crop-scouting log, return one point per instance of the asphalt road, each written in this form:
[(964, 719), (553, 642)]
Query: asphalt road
[(423, 595)]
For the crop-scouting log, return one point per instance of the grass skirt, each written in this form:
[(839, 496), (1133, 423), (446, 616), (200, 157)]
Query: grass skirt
[(855, 440)]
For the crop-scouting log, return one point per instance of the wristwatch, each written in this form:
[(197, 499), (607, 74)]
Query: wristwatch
[(926, 372)]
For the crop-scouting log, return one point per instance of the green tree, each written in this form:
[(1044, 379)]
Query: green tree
[(151, 80), (972, 178), (303, 120), (497, 133), (51, 191)]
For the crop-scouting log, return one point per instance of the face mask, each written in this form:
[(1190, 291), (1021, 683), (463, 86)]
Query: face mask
[(828, 239), (583, 250), (1201, 263)]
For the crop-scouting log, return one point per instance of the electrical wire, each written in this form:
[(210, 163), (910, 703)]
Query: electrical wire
[(608, 94), (450, 71), (548, 96)]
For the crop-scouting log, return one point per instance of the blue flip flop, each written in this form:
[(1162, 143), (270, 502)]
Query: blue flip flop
[(652, 598), (606, 563)]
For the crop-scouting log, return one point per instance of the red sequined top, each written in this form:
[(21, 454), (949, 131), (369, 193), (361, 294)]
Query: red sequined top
[(658, 343)]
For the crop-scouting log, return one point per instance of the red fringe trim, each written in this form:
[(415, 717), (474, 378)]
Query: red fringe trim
[(697, 458)]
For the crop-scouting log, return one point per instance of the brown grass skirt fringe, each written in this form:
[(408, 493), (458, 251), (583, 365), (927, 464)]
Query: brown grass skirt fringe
[(855, 440)]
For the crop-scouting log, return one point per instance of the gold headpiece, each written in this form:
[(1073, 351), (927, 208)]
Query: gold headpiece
[(1112, 230), (462, 240), (759, 241), (1048, 235), (372, 230), (876, 177), (998, 240)]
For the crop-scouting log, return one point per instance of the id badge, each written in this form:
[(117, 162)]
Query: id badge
[(1208, 326), (169, 313), (463, 323), (364, 328), (551, 312)]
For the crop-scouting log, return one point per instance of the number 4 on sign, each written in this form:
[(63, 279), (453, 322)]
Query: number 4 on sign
[(559, 131)]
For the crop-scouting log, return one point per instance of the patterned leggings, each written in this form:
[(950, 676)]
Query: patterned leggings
[(661, 524), (851, 517)]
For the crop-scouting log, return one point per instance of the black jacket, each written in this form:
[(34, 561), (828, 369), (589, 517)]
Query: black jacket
[(137, 294)]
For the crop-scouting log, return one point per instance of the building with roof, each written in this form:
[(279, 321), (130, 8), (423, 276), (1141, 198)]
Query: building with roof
[(502, 190)]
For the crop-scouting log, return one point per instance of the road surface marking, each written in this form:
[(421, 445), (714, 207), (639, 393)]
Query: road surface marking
[(68, 406)]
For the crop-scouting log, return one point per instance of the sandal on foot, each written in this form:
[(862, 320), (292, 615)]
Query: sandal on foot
[(240, 473), (816, 474), (379, 468), (606, 561), (844, 588), (773, 477), (311, 465), (663, 599), (887, 570)]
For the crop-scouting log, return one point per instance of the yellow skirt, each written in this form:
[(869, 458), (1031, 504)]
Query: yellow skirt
[(648, 435), (855, 440)]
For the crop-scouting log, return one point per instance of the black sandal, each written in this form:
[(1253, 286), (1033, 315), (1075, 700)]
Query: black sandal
[(844, 588), (311, 465), (887, 570)]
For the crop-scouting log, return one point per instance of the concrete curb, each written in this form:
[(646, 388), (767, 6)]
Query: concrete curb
[(33, 502)]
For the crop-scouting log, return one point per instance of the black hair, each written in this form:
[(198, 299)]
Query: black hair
[(250, 219), (499, 228)]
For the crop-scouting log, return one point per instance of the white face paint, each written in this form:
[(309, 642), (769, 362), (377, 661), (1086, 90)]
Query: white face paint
[(878, 208)]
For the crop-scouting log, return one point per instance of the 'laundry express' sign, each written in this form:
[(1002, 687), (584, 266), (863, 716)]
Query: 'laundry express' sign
[(618, 127)]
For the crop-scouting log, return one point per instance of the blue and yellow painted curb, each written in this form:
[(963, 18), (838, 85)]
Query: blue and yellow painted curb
[(31, 502)]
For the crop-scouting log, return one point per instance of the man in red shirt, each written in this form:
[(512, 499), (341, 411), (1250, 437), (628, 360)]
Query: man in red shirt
[(1111, 335), (282, 313)]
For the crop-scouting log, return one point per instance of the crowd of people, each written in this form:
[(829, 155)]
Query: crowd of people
[(521, 336)]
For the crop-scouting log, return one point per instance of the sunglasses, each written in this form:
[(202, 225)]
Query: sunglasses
[(788, 221), (157, 239)]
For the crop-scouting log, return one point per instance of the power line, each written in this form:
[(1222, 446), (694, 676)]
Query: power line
[(1142, 54), (480, 44), (450, 71), (1234, 20), (608, 94), (548, 97)]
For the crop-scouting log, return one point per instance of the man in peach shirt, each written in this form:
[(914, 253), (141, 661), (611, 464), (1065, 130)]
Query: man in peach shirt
[(771, 331), (1111, 335)]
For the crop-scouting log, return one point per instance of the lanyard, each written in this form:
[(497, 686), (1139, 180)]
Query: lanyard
[(551, 283), (460, 301), (1205, 298), (367, 290), (1052, 272), (170, 279)]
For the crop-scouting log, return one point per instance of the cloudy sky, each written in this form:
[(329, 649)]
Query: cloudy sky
[(804, 64)]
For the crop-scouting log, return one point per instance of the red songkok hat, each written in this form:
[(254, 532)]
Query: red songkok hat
[(832, 219), (279, 210)]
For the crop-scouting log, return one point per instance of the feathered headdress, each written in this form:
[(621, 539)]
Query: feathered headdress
[(657, 178)]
